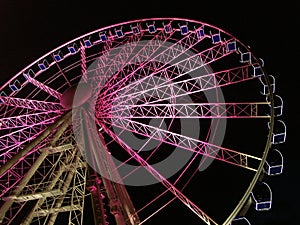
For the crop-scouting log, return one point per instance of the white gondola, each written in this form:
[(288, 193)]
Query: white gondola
[(119, 33), (135, 29), (102, 36), (274, 163), (43, 65), (245, 56), (262, 196), (200, 32), (29, 74), (15, 86), (73, 48), (279, 132), (231, 46), (216, 38), (240, 221), (58, 56), (278, 105), (265, 90), (2, 93)]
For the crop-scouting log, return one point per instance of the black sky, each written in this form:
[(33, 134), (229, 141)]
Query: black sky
[(29, 29)]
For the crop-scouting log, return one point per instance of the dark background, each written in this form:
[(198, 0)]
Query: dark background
[(29, 29)]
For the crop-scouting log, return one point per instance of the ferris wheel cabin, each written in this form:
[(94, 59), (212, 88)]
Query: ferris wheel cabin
[(265, 90), (279, 132), (274, 163), (240, 221), (262, 196), (278, 105)]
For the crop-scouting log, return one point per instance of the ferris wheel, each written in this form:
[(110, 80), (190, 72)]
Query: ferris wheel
[(145, 121)]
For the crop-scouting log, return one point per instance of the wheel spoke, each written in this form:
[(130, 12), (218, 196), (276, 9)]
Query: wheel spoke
[(190, 110), (150, 54), (113, 59), (17, 138), (178, 194), (174, 90), (30, 104), (186, 65), (44, 87), (27, 119), (199, 147)]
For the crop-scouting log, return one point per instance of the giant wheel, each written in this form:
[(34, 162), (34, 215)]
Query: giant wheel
[(145, 118)]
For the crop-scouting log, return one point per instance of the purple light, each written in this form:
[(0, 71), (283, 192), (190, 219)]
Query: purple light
[(73, 48), (151, 28), (135, 30), (102, 37), (168, 28), (87, 42), (43, 65), (58, 56), (119, 33), (184, 29)]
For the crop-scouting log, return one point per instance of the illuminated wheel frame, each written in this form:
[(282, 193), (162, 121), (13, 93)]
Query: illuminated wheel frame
[(165, 69)]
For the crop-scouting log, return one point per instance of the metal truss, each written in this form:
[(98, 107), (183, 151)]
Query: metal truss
[(148, 54), (197, 146), (190, 86), (30, 104), (49, 178), (43, 87), (190, 110), (27, 120)]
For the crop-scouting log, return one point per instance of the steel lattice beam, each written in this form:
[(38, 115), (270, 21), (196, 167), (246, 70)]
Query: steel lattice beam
[(69, 175), (110, 62), (190, 110), (19, 137), (30, 104), (120, 204), (27, 119), (45, 212), (174, 90), (142, 55), (83, 63), (149, 55), (185, 66), (43, 87), (13, 169), (190, 144)]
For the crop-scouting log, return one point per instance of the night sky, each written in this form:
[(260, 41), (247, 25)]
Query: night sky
[(29, 29)]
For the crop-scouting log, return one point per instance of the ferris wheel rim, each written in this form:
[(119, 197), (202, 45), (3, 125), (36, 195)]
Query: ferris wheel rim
[(116, 25)]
